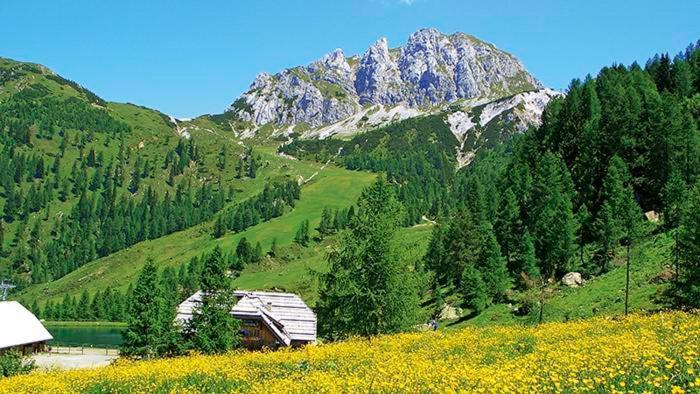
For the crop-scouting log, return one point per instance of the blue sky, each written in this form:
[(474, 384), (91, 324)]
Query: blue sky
[(192, 57)]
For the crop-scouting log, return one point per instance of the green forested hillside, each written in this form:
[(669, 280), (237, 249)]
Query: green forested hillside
[(84, 179), (104, 186)]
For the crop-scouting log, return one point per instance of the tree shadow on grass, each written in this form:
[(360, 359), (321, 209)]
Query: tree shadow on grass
[(471, 315)]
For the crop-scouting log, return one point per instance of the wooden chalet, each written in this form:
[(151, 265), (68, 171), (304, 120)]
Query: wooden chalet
[(268, 319), (20, 329)]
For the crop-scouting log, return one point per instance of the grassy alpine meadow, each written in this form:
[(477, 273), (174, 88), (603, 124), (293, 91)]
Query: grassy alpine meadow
[(642, 353)]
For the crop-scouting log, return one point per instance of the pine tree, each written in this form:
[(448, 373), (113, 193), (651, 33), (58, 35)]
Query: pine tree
[(508, 227), (326, 225), (609, 226), (212, 329), (492, 266), (474, 289), (244, 251), (435, 258), (148, 328), (219, 227), (257, 253), (370, 288), (302, 235), (583, 218), (608, 233), (631, 229), (462, 246), (687, 288), (84, 310), (525, 260), (673, 196), (136, 176), (553, 221), (221, 162), (274, 252)]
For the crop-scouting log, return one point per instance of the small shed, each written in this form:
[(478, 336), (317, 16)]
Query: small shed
[(268, 319), (20, 329)]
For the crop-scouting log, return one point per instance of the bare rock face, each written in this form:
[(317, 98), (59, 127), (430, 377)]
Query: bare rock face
[(378, 79), (430, 69), (481, 126)]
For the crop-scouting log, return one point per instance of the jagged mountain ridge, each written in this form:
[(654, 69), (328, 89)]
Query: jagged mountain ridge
[(431, 69)]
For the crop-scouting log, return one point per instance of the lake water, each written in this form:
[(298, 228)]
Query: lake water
[(92, 336)]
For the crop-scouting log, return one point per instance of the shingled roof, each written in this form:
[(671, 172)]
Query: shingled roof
[(285, 314), (19, 326)]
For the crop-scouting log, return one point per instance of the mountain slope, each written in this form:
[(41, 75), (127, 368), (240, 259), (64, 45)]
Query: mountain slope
[(69, 156), (430, 69)]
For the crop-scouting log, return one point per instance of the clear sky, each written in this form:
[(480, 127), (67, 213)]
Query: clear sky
[(187, 58)]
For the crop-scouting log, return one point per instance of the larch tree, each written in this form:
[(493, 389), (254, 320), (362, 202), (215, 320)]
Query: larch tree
[(370, 288), (493, 266), (148, 326), (212, 329), (474, 289), (630, 216), (552, 217), (687, 287)]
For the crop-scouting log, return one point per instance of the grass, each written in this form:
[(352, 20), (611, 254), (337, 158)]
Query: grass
[(50, 323)]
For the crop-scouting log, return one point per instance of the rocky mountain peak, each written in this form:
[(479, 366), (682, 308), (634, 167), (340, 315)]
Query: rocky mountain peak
[(431, 69)]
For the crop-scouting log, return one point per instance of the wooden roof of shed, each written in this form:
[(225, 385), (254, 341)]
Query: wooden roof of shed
[(285, 314)]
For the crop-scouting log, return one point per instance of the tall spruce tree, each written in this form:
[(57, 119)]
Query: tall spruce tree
[(474, 289), (492, 266), (369, 288), (687, 288), (302, 236), (631, 215), (552, 217), (148, 324), (212, 329)]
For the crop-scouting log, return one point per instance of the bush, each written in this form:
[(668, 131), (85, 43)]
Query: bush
[(14, 363)]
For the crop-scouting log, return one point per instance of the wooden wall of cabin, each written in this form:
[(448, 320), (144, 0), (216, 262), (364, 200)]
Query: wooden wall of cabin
[(258, 335)]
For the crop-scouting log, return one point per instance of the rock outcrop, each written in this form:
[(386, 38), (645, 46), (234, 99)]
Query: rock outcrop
[(430, 69)]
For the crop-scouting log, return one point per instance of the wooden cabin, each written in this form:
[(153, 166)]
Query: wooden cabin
[(268, 319), (21, 330)]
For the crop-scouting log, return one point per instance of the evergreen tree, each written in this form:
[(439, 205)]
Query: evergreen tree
[(508, 226), (630, 220), (474, 289), (687, 288), (274, 252), (84, 310), (302, 235), (525, 260), (244, 251), (462, 246), (583, 218), (369, 288), (673, 196), (148, 325), (257, 253), (219, 227), (212, 329), (492, 266), (553, 221), (326, 225)]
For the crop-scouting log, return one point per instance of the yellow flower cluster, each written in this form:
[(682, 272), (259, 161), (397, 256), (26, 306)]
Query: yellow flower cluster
[(656, 353)]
